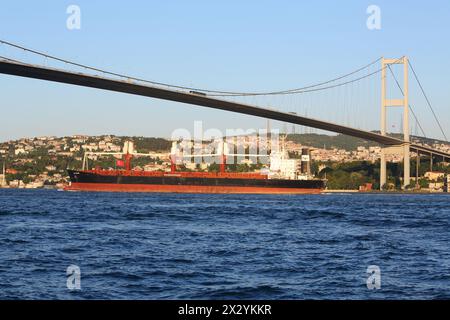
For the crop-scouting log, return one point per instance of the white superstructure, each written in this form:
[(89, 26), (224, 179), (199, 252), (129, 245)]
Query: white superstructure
[(281, 167)]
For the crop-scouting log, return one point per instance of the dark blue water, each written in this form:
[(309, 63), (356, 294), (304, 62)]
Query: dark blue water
[(158, 246)]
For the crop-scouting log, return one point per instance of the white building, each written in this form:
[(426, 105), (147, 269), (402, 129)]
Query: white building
[(19, 151)]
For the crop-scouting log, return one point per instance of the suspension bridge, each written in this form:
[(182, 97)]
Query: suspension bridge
[(293, 106)]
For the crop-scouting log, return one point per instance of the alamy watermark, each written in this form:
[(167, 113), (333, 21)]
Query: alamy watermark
[(211, 145), (73, 21), (374, 20), (73, 273), (374, 277)]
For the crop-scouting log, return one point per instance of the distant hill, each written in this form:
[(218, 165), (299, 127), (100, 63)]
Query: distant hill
[(348, 143), (146, 144)]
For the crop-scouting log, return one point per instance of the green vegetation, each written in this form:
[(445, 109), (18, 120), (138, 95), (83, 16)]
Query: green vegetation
[(348, 176), (344, 142), (351, 175), (145, 145), (329, 142)]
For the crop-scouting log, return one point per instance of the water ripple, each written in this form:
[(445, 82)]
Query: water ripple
[(173, 246)]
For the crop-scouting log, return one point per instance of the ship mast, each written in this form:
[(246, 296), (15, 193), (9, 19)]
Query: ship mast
[(128, 150)]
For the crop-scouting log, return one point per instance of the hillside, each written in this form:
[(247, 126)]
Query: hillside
[(348, 143)]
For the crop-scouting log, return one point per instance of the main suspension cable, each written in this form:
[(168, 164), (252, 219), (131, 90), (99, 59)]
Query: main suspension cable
[(216, 92), (428, 101)]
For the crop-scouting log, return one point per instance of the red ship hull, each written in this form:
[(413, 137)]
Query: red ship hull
[(187, 182), (112, 187)]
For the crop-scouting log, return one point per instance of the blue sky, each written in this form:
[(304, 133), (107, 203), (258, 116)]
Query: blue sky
[(229, 45)]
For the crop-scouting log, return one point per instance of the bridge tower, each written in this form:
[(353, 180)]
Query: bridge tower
[(385, 103)]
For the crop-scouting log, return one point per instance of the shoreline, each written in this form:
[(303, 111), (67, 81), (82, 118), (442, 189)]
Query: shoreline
[(350, 192), (383, 192)]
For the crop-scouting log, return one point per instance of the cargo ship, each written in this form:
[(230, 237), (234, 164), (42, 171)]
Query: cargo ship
[(281, 178)]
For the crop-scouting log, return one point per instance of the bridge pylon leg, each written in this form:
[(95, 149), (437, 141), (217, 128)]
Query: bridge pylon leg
[(403, 103), (417, 168), (383, 176), (400, 150), (406, 166)]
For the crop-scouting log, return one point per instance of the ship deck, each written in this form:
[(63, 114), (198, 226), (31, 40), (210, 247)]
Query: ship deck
[(183, 174)]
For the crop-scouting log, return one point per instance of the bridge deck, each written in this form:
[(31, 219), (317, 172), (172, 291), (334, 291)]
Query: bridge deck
[(80, 79)]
